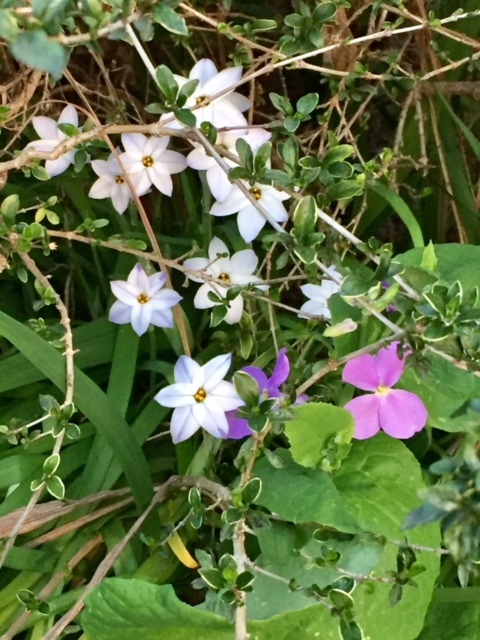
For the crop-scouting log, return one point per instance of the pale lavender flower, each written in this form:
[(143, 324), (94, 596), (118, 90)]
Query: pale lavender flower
[(223, 111), (217, 179), (235, 270), (268, 388), (399, 413), (51, 136), (111, 183), (150, 162), (200, 397), (142, 301)]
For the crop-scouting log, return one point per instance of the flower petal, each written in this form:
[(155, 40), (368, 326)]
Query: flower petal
[(233, 204), (237, 427), (365, 414), (100, 189), (120, 313), (139, 279), (226, 396), (183, 424), (56, 167), (215, 247), (272, 204), (120, 198), (315, 308), (218, 182), (362, 373), (176, 395), (163, 318), (313, 291), (124, 291), (250, 222), (389, 365), (227, 78), (213, 419), (214, 371), (241, 103), (201, 299), (225, 114), (173, 162), (203, 71), (235, 310), (185, 369), (69, 116), (156, 282), (161, 179), (281, 369), (401, 414), (196, 264), (141, 316), (165, 299), (45, 127), (134, 144), (243, 263), (259, 377), (198, 160)]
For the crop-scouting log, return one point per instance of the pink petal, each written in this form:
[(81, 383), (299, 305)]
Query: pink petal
[(281, 369), (362, 373), (365, 414), (401, 414), (389, 366)]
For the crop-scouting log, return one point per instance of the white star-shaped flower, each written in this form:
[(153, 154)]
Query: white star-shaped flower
[(250, 221), (236, 270), (111, 183), (217, 179), (142, 301), (200, 397), (51, 136), (319, 295), (224, 111), (150, 162)]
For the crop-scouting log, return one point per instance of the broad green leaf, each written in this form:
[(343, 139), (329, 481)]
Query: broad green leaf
[(453, 614), (380, 481), (320, 435), (454, 262), (169, 19), (344, 189), (35, 49), (17, 468), (402, 209), (303, 495), (8, 25), (91, 401), (445, 389)]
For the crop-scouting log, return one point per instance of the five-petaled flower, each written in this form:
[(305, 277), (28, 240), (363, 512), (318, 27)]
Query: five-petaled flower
[(217, 179), (200, 397), (51, 136), (399, 413), (222, 111), (149, 161), (111, 183), (250, 221), (236, 270), (319, 295), (143, 301)]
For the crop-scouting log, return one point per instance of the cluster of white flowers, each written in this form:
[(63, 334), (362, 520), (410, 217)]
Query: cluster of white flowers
[(200, 396)]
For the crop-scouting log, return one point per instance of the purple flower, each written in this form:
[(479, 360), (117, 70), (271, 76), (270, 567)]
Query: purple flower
[(268, 388), (399, 413)]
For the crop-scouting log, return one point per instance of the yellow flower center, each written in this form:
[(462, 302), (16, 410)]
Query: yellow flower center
[(382, 391), (256, 193), (200, 395), (224, 277), (200, 100), (147, 161), (119, 179), (143, 298)]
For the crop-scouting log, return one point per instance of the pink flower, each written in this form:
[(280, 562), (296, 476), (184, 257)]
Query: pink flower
[(399, 413)]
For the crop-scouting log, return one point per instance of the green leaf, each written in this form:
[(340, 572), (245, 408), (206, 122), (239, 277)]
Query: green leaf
[(51, 464), (281, 103), (369, 483), (338, 154), (320, 435), (429, 259), (169, 19), (304, 218), (453, 613), (402, 209), (35, 49), (345, 189), (303, 495), (186, 117), (10, 207), (91, 401), (166, 81), (307, 103), (8, 25), (55, 487), (247, 388)]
